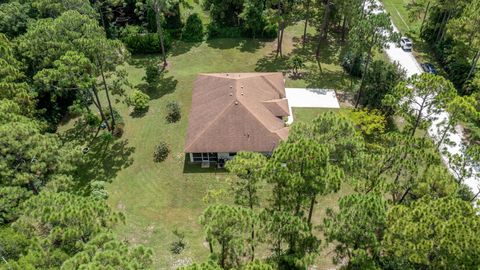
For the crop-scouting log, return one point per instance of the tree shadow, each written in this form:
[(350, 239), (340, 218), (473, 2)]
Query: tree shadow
[(243, 44), (139, 113), (180, 47), (337, 80), (251, 45), (164, 85), (102, 163), (329, 49), (270, 63)]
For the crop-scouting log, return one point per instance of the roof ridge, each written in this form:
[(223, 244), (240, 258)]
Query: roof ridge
[(270, 83)]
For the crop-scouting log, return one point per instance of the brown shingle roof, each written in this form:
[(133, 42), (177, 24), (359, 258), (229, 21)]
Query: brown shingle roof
[(234, 112)]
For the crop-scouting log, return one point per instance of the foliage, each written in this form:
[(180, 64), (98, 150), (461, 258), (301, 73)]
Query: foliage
[(12, 85), (357, 228), (105, 252), (177, 246), (54, 8), (380, 80), (138, 100), (152, 75), (12, 244), (161, 152), (296, 63), (138, 41), (11, 198), (370, 123), (211, 265), (353, 63), (13, 18), (193, 30), (434, 233), (227, 226), (173, 112), (429, 93)]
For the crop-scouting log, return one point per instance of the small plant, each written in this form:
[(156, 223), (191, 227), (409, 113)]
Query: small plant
[(173, 112), (178, 245), (296, 63), (161, 152), (138, 100)]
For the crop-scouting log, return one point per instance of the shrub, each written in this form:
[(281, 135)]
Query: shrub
[(152, 74), (138, 100), (138, 41), (161, 152), (352, 63), (193, 30), (173, 112)]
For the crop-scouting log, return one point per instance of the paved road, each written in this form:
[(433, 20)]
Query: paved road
[(411, 66), (310, 98)]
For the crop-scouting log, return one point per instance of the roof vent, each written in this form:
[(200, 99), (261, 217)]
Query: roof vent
[(231, 87), (241, 93), (241, 86), (231, 94), (236, 102), (227, 74)]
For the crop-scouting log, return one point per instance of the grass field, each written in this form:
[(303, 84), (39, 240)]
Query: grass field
[(158, 198)]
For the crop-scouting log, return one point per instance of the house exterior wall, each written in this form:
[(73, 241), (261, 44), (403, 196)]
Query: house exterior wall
[(200, 157)]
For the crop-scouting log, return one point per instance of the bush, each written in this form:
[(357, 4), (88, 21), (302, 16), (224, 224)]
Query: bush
[(353, 63), (173, 112), (138, 41), (152, 74), (138, 100), (193, 30), (161, 152)]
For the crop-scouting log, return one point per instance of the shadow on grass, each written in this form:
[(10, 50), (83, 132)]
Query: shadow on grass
[(164, 85), (180, 47), (196, 168), (243, 44), (139, 113), (329, 79), (102, 163), (270, 63)]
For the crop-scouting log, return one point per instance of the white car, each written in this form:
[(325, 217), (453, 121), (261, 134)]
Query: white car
[(406, 44)]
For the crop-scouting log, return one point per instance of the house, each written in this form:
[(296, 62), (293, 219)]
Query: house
[(233, 112)]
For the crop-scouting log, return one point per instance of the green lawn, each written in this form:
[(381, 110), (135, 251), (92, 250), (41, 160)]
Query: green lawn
[(400, 17), (158, 198)]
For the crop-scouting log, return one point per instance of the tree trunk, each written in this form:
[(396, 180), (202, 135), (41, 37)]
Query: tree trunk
[(310, 211), (158, 10), (222, 257), (323, 29), (445, 26), (424, 17), (474, 66), (442, 25), (444, 135), (362, 83), (100, 109), (344, 28), (404, 194), (307, 15), (419, 117), (108, 95), (280, 39), (210, 246)]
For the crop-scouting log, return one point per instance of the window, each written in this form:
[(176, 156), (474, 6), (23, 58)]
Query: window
[(197, 157), (212, 157), (232, 154)]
